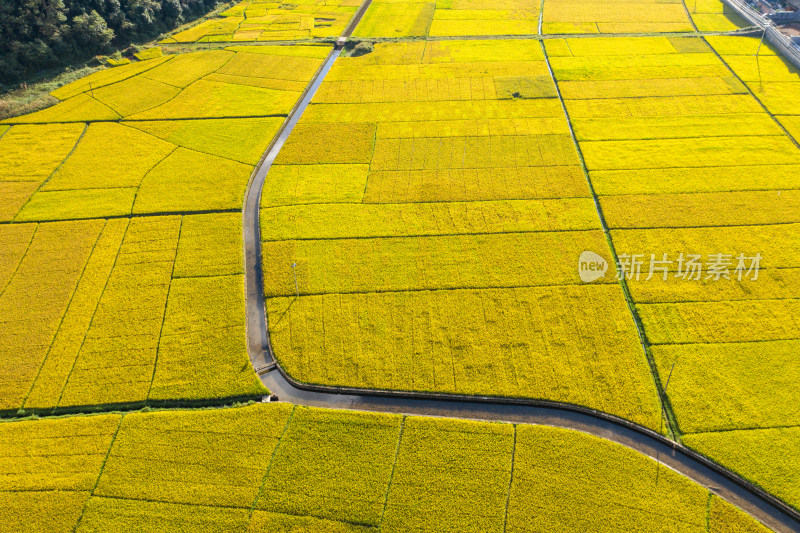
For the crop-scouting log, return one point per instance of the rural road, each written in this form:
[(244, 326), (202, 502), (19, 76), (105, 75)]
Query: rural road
[(732, 488)]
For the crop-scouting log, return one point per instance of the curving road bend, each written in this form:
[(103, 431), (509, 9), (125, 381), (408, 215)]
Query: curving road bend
[(769, 510)]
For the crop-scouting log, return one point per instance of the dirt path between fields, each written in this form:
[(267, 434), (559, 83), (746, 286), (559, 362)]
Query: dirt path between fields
[(732, 488)]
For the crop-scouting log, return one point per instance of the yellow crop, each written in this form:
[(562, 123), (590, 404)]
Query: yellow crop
[(725, 518), (149, 458), (57, 367), (127, 320), (185, 69), (135, 95), (118, 296), (123, 515), (32, 153), (773, 79), (415, 219), (767, 68), (470, 341), (436, 476), (80, 108), (718, 21), (109, 155), (14, 195), (420, 233), (210, 245), (396, 19), (106, 77), (497, 151), (371, 275), (149, 53), (778, 244), (205, 30), (43, 284), (421, 89), (675, 127), (768, 457), (283, 523), (558, 28), (243, 140), (319, 51), (307, 184), (202, 339), (663, 106), (426, 262), (366, 472), (620, 46), (699, 152), (479, 22), (730, 321), (475, 184), (705, 375), (579, 90), (727, 45), (702, 209), (772, 283), (55, 455), (207, 99), (189, 181), (273, 66), (14, 242), (576, 66), (103, 175), (329, 143), (24, 510), (615, 488), (389, 18), (72, 204), (472, 128), (266, 83), (429, 89), (250, 21), (112, 62), (434, 111), (615, 17), (354, 70), (215, 83), (729, 177), (474, 50), (352, 450)]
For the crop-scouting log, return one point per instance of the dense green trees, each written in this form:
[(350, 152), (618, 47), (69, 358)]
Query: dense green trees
[(39, 34)]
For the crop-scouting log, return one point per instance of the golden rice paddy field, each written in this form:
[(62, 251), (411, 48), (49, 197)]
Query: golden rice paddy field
[(714, 15), (693, 163), (420, 232), (434, 219), (449, 18), (594, 16), (407, 241), (281, 468), (271, 21), (122, 267)]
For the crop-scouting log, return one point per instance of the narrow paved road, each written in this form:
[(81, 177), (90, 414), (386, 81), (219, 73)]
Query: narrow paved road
[(763, 506)]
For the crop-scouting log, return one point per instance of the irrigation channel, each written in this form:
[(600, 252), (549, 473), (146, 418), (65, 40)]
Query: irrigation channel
[(769, 510)]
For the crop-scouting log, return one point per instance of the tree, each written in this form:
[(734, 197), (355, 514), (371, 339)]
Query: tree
[(40, 34)]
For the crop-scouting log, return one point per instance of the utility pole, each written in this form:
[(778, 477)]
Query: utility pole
[(758, 62), (663, 413), (296, 289), (669, 377)]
